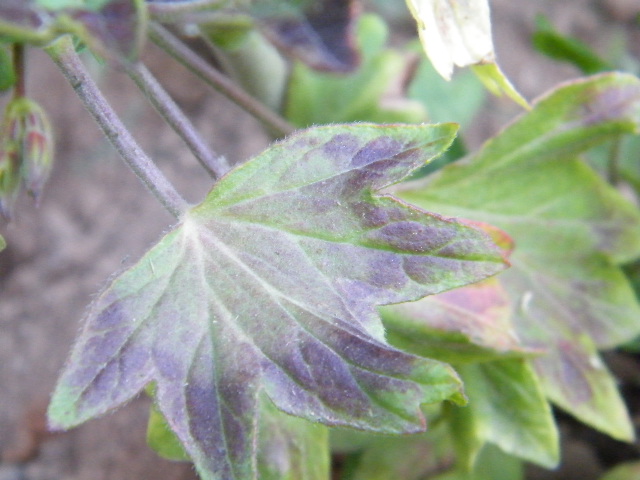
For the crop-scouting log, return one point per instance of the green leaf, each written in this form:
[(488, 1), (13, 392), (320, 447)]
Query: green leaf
[(288, 447), (409, 457), (319, 98), (291, 448), (497, 82), (625, 471), (507, 408), (3, 243), (550, 42), (458, 100), (493, 464), (570, 229), (269, 287)]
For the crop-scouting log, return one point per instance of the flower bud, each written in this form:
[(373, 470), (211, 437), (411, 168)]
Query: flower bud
[(26, 126), (9, 177)]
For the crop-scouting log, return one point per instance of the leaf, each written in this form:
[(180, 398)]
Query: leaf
[(464, 325), (459, 99), (624, 471), (269, 287), (115, 28), (547, 40), (409, 457), (288, 447), (506, 408), (112, 28), (497, 82), (3, 243), (319, 98), (567, 293), (291, 448), (493, 464), (320, 33)]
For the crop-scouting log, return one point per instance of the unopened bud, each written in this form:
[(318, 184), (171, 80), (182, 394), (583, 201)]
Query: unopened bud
[(9, 178), (26, 126)]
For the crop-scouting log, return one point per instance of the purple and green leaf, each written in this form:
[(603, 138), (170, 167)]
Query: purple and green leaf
[(269, 288), (319, 97), (568, 296), (319, 33)]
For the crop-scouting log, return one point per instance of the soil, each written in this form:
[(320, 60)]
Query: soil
[(96, 218)]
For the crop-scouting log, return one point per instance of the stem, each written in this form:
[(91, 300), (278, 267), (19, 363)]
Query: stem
[(182, 53), (613, 164), (65, 57), (19, 67), (215, 164)]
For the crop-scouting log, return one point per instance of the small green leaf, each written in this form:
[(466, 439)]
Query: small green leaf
[(567, 293), (290, 448), (507, 408), (269, 287), (3, 243), (458, 100), (625, 471), (550, 42), (320, 98), (492, 464), (161, 439), (497, 82)]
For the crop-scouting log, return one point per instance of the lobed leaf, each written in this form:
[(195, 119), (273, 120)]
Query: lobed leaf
[(570, 228), (269, 287)]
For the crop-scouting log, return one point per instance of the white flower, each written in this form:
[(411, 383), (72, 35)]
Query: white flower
[(454, 32)]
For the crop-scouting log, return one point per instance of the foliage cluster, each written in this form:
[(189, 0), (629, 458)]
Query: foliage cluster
[(335, 287)]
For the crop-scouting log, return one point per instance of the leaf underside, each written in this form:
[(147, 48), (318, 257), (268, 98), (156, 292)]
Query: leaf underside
[(269, 288)]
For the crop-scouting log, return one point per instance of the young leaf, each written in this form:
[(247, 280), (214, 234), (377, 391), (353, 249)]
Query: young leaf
[(270, 287), (507, 408), (570, 229), (547, 40)]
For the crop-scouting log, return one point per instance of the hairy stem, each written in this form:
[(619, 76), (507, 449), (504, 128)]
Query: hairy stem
[(181, 52), (63, 54), (215, 164)]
